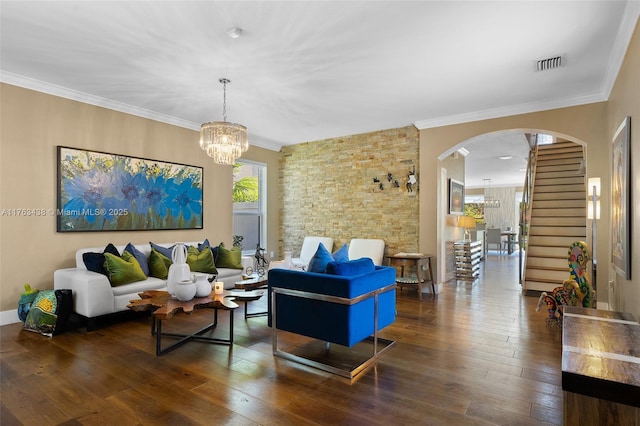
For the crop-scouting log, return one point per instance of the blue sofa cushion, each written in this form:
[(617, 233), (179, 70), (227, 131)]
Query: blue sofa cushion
[(319, 261), (342, 254), (351, 267)]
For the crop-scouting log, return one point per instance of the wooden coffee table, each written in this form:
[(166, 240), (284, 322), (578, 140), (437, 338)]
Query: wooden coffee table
[(165, 307), (252, 291)]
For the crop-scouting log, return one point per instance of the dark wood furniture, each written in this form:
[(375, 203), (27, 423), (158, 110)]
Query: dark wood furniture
[(165, 307), (250, 288), (422, 264), (600, 367)]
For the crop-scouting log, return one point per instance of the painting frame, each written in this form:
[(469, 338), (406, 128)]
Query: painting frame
[(456, 197), (99, 191), (621, 199)]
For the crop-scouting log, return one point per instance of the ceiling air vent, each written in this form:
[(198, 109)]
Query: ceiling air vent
[(550, 63)]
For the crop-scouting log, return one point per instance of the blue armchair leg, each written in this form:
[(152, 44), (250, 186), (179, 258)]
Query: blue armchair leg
[(345, 363)]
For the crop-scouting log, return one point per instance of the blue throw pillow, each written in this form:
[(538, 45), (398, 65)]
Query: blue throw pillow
[(352, 267), (319, 261), (140, 257), (163, 250), (204, 244), (342, 254)]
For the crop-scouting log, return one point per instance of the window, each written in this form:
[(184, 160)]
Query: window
[(249, 206), (543, 139)]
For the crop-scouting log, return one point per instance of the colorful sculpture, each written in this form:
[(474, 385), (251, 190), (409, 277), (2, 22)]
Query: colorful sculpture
[(576, 291)]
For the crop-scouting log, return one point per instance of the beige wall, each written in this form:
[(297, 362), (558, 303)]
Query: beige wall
[(327, 189), (584, 124), (33, 124), (625, 101), (452, 168)]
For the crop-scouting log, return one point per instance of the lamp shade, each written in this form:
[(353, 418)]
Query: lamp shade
[(466, 222)]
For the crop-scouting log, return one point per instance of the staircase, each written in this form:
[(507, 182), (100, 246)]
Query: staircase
[(558, 215)]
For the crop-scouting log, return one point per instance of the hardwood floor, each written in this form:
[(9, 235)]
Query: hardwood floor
[(477, 354)]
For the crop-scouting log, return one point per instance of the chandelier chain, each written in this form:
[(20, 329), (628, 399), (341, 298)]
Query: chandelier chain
[(224, 82)]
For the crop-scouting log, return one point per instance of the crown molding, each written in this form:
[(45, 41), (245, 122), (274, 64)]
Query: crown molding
[(508, 111), (265, 143), (75, 95), (620, 46)]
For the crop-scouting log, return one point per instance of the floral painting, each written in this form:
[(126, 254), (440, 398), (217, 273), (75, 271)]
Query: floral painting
[(98, 191)]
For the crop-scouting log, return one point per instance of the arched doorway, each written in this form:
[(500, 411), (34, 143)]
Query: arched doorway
[(578, 124)]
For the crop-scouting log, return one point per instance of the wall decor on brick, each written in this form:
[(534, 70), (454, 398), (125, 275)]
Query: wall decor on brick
[(327, 188)]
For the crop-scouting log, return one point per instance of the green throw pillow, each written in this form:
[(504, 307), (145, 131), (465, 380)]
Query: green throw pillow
[(159, 265), (229, 258), (201, 261), (123, 270)]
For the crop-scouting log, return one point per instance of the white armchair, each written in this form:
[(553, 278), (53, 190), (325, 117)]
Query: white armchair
[(309, 248), (371, 248)]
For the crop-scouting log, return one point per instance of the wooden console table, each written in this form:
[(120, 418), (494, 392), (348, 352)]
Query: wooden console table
[(164, 307), (422, 263), (600, 367)]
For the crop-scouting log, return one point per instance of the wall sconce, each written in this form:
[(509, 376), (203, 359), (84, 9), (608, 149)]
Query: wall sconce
[(593, 213), (593, 202)]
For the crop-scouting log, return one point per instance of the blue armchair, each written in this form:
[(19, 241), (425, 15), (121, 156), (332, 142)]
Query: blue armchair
[(346, 306)]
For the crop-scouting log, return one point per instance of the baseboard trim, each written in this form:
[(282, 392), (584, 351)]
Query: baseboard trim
[(9, 317)]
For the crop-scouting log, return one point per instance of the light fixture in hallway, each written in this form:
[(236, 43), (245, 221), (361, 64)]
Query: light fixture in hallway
[(489, 201)]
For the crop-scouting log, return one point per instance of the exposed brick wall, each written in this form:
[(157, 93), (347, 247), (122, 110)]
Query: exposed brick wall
[(327, 189)]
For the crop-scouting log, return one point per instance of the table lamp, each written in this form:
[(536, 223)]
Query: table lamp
[(466, 222)]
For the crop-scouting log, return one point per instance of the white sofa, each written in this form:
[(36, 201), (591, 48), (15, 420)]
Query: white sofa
[(94, 297)]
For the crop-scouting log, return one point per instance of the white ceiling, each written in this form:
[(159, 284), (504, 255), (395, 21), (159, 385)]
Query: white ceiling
[(305, 71)]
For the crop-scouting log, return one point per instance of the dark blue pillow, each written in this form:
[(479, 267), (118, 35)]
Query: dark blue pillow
[(95, 261), (163, 250), (352, 267), (342, 254), (318, 262), (140, 257), (215, 250)]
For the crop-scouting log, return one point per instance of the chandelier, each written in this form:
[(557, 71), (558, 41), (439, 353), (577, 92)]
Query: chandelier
[(223, 141), (490, 202)]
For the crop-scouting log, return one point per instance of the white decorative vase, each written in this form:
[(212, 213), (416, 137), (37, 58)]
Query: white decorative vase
[(179, 270), (185, 290), (203, 287), (288, 263)]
